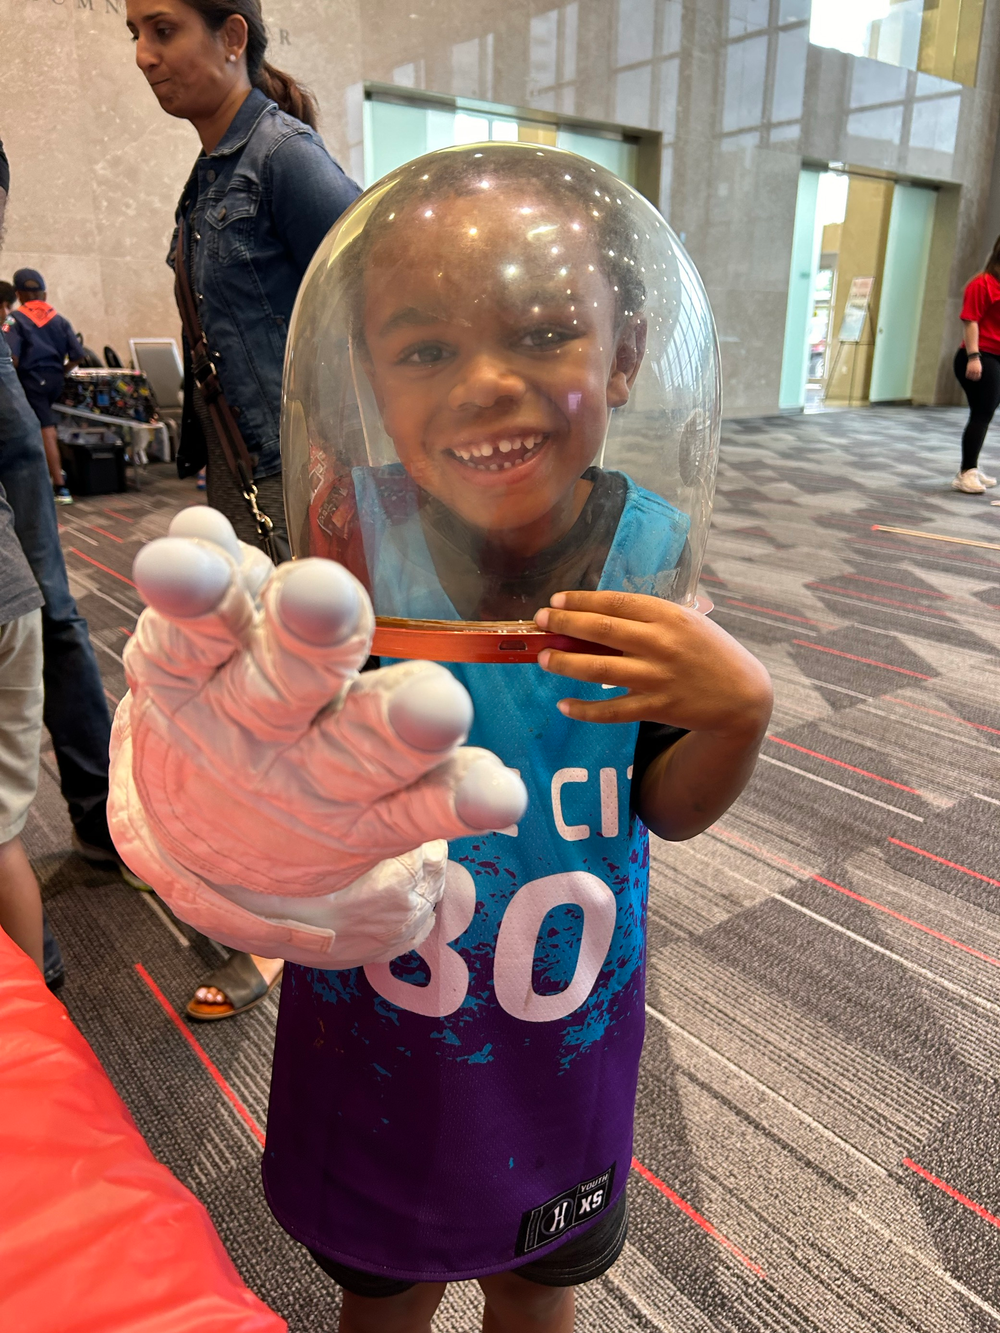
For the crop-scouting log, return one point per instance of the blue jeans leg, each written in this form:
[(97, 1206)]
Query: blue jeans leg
[(76, 709)]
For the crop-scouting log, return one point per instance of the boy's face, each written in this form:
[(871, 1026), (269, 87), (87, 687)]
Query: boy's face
[(494, 358)]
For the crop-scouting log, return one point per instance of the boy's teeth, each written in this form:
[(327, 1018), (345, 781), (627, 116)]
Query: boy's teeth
[(486, 450)]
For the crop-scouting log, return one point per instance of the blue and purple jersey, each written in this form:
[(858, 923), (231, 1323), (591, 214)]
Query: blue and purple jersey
[(466, 1107)]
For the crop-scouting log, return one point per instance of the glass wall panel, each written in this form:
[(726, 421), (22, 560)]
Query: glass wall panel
[(395, 132), (938, 37), (902, 296)]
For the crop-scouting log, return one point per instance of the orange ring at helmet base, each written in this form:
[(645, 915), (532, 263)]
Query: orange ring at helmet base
[(510, 641)]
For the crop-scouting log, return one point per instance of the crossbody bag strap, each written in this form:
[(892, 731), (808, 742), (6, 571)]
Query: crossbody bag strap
[(206, 377)]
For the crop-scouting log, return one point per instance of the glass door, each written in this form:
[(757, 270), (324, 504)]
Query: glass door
[(904, 276), (820, 208)]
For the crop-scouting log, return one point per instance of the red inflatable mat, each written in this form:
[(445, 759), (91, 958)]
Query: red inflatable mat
[(95, 1235)]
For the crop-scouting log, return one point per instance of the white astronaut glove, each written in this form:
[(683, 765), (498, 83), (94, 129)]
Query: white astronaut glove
[(276, 799)]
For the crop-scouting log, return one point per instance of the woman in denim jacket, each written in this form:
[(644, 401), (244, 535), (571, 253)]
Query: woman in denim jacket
[(263, 193)]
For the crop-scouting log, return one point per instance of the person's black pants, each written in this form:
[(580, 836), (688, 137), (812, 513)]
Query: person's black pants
[(984, 398)]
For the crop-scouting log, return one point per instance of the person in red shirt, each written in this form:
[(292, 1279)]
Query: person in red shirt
[(977, 368)]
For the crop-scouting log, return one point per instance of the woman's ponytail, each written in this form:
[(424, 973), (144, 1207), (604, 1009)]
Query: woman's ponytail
[(992, 265), (290, 96)]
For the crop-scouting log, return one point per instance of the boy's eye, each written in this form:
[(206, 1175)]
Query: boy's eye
[(546, 336), (425, 354)]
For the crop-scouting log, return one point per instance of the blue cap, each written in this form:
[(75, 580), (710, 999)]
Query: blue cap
[(29, 280)]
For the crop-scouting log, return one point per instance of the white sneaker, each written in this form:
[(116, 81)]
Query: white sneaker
[(968, 482), (987, 481)]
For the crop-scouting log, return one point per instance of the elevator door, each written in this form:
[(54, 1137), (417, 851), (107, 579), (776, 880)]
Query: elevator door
[(902, 296)]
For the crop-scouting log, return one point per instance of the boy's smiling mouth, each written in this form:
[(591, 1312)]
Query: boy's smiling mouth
[(499, 454)]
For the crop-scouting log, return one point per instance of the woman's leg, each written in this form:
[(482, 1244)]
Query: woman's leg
[(516, 1305), (224, 494), (409, 1312), (984, 396)]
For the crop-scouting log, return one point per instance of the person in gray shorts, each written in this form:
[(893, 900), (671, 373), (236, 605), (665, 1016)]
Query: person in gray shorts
[(20, 736)]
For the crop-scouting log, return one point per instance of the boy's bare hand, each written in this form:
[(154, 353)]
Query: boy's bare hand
[(678, 667)]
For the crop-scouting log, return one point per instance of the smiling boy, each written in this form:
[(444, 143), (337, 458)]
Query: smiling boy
[(498, 320), (465, 1110)]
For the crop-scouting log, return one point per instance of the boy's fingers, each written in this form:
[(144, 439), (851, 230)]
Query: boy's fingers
[(628, 636), (618, 605), (629, 673), (626, 708)]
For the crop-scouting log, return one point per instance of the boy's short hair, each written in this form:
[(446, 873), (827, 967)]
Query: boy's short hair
[(8, 293), (569, 181)]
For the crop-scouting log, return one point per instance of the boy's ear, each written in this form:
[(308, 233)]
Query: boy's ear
[(628, 358)]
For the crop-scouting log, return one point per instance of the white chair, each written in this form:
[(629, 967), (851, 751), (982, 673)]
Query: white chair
[(160, 361)]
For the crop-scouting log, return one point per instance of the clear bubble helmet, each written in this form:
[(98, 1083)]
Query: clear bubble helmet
[(501, 382)]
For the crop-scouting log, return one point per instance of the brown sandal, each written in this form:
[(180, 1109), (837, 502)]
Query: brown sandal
[(241, 982)]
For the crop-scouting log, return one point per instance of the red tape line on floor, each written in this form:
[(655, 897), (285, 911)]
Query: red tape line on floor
[(695, 1216), (816, 754), (212, 1068), (869, 661), (953, 1193), (858, 897), (91, 561), (953, 865)]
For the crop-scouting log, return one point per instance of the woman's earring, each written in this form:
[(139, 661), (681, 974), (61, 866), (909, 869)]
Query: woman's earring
[(231, 59)]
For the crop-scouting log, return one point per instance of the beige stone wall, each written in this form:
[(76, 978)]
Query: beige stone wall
[(95, 169), (96, 166), (740, 101)]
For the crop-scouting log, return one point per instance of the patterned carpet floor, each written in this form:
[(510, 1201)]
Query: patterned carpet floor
[(816, 1139)]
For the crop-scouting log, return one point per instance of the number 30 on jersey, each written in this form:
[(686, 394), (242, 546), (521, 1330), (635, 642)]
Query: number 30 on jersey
[(515, 948)]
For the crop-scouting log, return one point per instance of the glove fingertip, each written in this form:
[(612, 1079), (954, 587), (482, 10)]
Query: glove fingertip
[(490, 796), (210, 525), (319, 603), (431, 712), (180, 578)]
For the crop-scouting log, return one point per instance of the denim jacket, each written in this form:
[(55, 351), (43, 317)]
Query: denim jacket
[(256, 209)]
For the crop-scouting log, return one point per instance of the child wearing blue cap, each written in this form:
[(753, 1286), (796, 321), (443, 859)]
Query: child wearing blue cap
[(43, 346)]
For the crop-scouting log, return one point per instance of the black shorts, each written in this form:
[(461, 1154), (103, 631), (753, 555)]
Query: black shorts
[(42, 388), (589, 1254)]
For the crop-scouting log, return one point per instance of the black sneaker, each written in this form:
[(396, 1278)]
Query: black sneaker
[(92, 841), (52, 959)]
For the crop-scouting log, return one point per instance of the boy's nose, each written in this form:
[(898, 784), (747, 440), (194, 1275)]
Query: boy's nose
[(483, 382)]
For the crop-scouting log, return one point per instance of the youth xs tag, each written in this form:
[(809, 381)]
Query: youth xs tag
[(542, 1225)]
